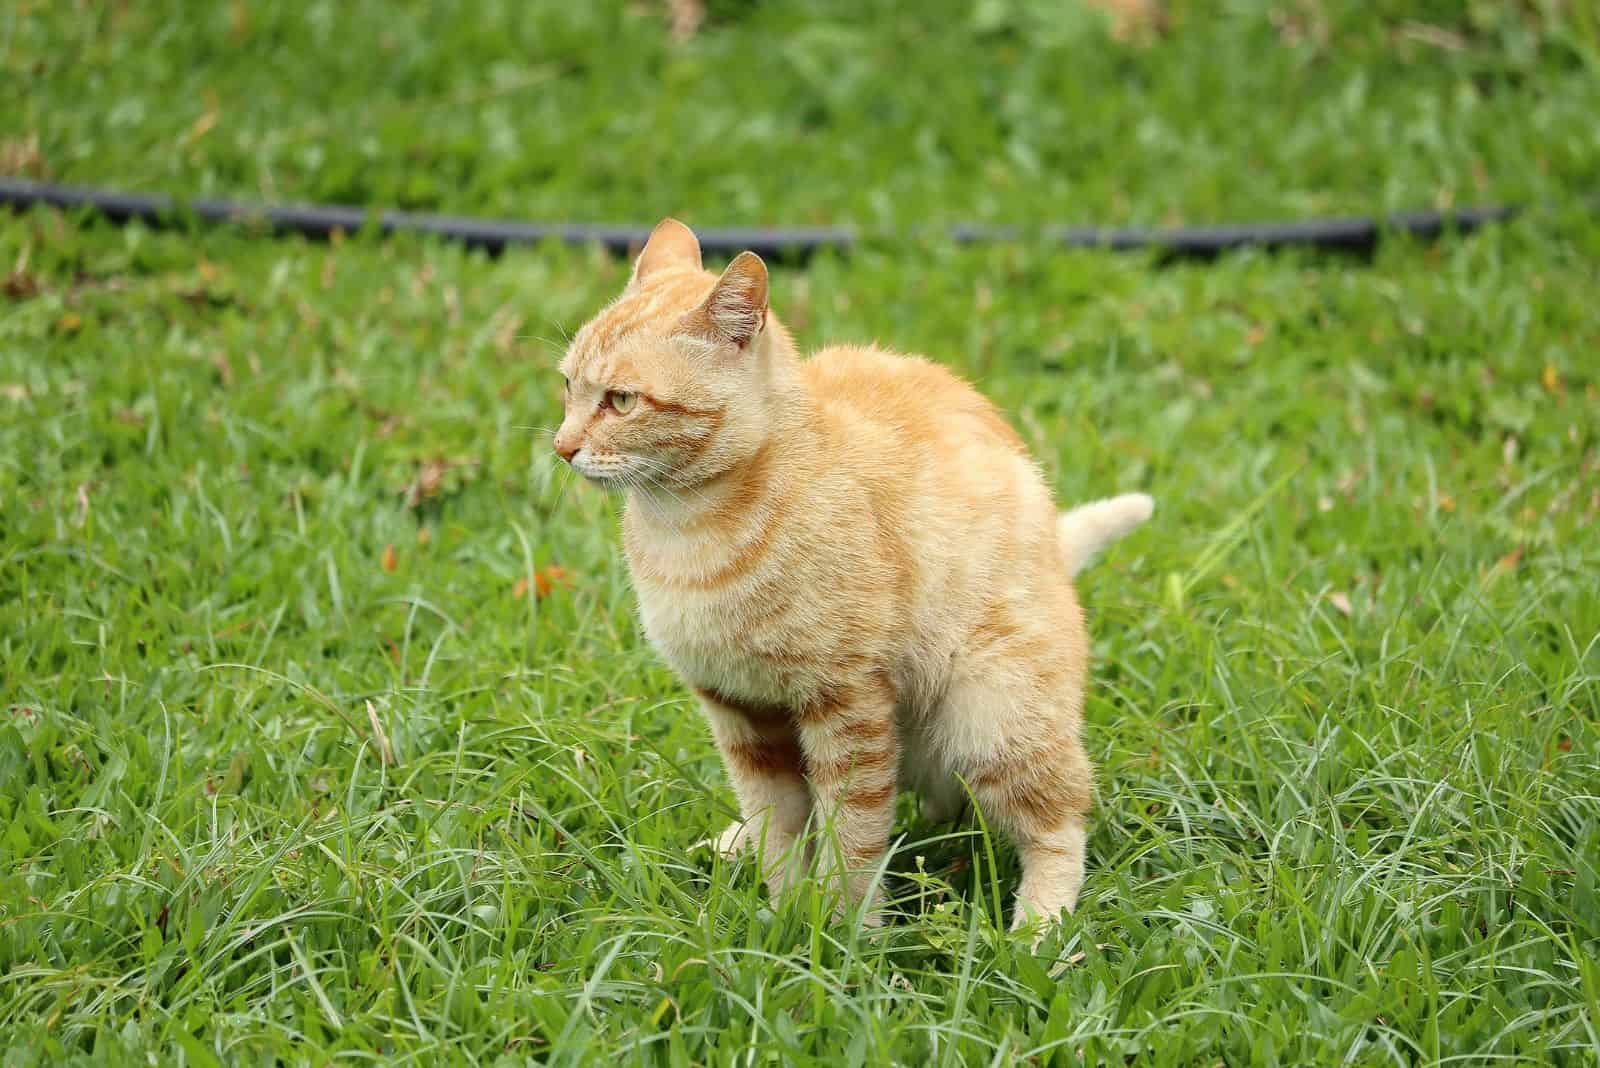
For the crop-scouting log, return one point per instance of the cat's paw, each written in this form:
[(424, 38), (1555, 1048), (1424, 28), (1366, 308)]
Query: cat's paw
[(1028, 922), (731, 842)]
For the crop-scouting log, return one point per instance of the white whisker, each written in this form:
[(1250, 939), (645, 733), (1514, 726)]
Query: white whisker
[(656, 471)]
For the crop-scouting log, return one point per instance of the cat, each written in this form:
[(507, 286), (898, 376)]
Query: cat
[(854, 563)]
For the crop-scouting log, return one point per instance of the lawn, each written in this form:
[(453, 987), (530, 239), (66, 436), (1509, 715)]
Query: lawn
[(326, 729)]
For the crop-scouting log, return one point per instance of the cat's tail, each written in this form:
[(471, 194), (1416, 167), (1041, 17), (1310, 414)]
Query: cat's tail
[(1088, 528)]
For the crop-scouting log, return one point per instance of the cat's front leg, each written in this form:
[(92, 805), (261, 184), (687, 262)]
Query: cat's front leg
[(763, 759), (852, 757)]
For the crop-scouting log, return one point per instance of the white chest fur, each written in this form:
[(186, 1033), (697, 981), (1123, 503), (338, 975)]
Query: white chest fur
[(713, 641)]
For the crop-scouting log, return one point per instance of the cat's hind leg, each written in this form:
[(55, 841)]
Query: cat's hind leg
[(1041, 798), (1011, 721)]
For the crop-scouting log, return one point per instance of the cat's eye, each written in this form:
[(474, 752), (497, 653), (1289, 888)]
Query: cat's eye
[(621, 402)]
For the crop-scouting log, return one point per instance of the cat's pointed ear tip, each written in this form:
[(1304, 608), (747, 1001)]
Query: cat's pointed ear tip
[(670, 244)]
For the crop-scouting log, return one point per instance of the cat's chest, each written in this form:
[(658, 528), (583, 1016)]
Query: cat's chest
[(718, 642)]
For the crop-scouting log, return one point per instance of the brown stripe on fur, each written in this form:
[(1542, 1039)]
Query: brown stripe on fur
[(744, 560), (869, 850), (756, 712), (887, 503), (751, 481), (1009, 766), (856, 764), (683, 409), (789, 658), (876, 689), (770, 756), (995, 626), (869, 728), (822, 707), (689, 447), (1036, 807), (708, 430), (1034, 790), (864, 796)]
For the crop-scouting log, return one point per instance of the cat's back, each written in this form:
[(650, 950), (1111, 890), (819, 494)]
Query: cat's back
[(909, 397)]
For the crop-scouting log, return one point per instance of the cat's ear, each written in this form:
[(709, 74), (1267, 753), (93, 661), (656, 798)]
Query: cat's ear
[(736, 310), (671, 244)]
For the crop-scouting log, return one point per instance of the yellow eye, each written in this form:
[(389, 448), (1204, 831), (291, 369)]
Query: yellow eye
[(620, 402)]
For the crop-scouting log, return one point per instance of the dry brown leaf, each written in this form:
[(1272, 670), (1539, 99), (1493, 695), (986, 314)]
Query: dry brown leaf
[(390, 559), (20, 285), (1447, 503), (424, 536), (520, 590), (1564, 744), (1340, 601), (69, 323)]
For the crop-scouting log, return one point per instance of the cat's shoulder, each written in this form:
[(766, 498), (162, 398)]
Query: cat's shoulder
[(868, 368), (909, 392)]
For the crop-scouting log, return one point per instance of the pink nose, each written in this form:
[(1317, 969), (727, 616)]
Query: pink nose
[(566, 451)]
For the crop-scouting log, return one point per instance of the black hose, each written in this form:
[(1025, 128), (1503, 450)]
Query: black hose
[(1352, 234)]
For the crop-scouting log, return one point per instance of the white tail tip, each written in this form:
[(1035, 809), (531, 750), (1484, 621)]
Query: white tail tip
[(1085, 530)]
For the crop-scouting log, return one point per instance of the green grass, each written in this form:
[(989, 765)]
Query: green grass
[(1346, 701), (1015, 110)]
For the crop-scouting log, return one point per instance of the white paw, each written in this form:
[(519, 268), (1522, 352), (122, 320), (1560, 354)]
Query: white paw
[(731, 842)]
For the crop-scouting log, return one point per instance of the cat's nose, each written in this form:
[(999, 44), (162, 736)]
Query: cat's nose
[(566, 451)]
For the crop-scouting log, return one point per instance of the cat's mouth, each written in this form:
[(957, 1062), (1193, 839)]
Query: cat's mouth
[(599, 475)]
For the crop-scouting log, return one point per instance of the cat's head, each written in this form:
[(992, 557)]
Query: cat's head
[(670, 384)]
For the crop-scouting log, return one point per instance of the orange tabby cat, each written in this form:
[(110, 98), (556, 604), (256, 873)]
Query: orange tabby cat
[(853, 562)]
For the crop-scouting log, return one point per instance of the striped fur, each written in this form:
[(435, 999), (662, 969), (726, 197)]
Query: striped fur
[(854, 563)]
